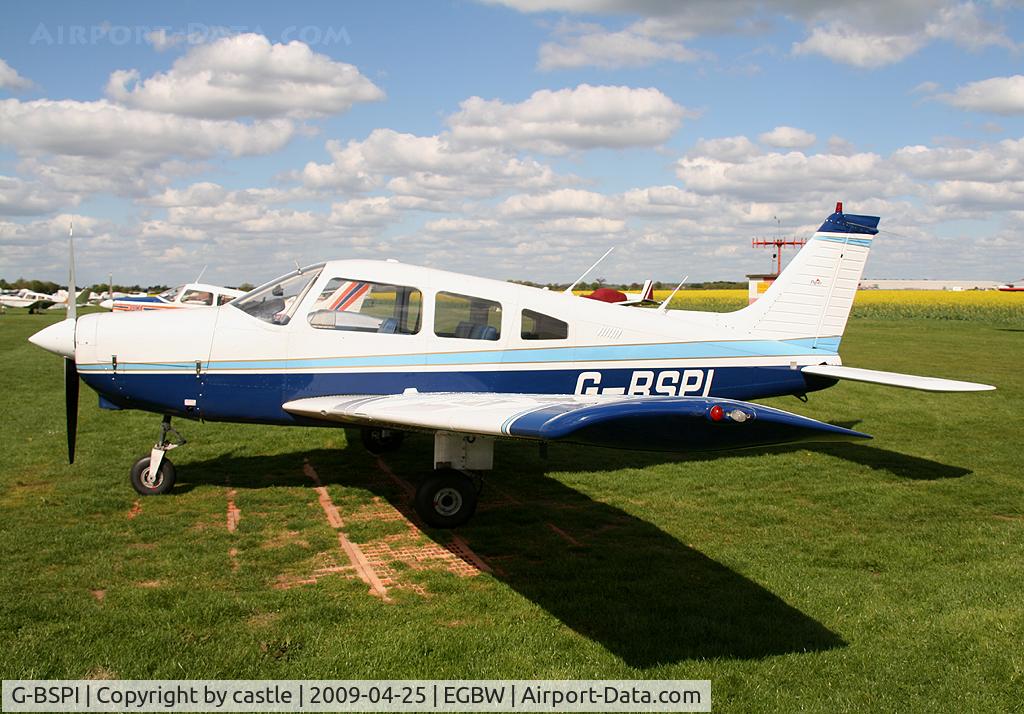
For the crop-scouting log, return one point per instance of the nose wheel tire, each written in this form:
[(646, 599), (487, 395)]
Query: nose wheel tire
[(147, 483), (381, 441), (446, 499)]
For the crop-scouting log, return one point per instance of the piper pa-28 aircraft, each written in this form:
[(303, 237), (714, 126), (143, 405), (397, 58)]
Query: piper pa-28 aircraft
[(392, 348)]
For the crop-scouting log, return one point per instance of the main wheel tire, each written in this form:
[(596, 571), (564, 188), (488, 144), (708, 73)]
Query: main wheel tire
[(146, 484), (382, 441), (446, 499)]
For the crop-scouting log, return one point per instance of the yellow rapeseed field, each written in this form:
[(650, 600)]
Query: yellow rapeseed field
[(883, 304)]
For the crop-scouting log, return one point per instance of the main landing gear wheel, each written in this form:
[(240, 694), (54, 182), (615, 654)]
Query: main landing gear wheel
[(446, 498), (381, 441), (146, 483)]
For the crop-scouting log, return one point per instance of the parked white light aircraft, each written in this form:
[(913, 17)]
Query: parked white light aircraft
[(183, 296), (28, 298), (392, 347)]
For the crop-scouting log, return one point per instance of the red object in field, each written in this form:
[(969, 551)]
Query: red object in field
[(716, 413), (607, 295)]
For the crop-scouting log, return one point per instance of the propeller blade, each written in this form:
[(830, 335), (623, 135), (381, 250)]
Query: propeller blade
[(71, 404), (72, 295), (70, 368)]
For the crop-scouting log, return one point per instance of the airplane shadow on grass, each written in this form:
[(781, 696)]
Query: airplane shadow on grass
[(610, 576)]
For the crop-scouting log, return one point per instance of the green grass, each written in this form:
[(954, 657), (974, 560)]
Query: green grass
[(880, 576)]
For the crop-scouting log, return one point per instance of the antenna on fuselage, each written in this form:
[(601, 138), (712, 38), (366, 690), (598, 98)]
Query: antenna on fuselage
[(568, 290), (663, 307), (201, 273)]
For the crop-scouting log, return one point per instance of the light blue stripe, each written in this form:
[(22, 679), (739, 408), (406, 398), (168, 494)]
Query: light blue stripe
[(864, 242), (610, 353)]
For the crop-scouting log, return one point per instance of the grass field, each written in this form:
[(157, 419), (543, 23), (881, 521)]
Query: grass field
[(878, 576)]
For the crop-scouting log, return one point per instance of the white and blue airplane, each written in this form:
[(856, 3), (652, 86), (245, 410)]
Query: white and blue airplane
[(392, 348), (189, 295)]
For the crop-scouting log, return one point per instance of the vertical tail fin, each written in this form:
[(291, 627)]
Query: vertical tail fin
[(813, 296), (647, 293)]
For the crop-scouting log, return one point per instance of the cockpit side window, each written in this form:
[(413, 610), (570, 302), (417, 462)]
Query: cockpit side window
[(363, 306), (276, 301), (171, 293), (466, 317), (538, 326), (197, 297), (224, 299)]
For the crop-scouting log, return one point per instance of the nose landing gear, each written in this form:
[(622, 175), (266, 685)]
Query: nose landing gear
[(154, 475)]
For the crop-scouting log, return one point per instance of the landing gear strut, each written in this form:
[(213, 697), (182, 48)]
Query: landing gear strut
[(154, 475), (447, 497)]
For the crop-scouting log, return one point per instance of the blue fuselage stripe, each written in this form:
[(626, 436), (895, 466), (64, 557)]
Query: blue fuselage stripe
[(551, 356), (257, 397)]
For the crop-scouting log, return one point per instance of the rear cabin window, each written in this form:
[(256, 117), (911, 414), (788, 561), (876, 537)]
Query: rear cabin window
[(362, 306), (466, 317), (538, 326)]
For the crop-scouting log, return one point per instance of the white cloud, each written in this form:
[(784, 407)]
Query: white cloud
[(582, 224), (843, 44), (979, 194), (729, 148), (247, 76), (587, 46), (24, 198), (867, 34), (94, 147), (565, 202), (428, 167), (963, 24), (783, 177), (840, 147), (998, 95), (460, 225), (788, 137), (871, 44), (204, 193), (373, 211), (10, 79), (103, 129), (993, 163), (556, 122)]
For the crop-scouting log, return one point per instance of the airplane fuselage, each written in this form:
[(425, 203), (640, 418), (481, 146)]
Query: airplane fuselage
[(368, 327)]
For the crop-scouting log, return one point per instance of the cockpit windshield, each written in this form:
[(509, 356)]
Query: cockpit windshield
[(275, 302), (171, 293)]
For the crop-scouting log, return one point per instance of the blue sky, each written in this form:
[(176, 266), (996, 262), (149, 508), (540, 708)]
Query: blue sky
[(511, 138)]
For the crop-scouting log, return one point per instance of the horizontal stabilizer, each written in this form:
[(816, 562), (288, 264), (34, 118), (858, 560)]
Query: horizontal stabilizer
[(678, 424), (895, 379)]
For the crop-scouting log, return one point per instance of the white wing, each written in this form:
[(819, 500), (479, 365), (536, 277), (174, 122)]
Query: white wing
[(468, 413), (679, 424)]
